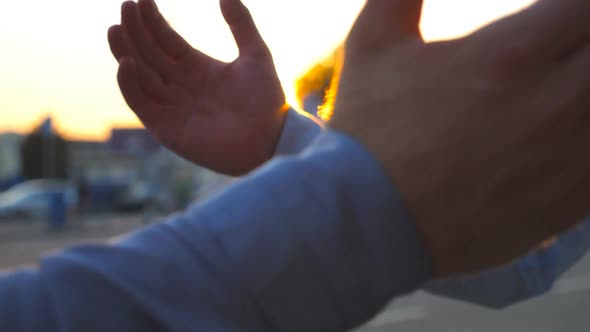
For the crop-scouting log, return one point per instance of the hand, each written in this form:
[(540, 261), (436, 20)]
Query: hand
[(486, 136), (223, 116)]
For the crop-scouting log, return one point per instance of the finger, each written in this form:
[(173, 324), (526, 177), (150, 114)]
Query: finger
[(243, 28), (173, 45), (146, 47), (120, 43), (545, 31), (384, 22), (122, 47), (130, 84)]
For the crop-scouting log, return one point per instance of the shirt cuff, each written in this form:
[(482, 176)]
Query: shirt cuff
[(299, 132)]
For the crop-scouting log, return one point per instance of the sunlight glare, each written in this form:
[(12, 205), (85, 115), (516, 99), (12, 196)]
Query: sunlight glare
[(56, 58)]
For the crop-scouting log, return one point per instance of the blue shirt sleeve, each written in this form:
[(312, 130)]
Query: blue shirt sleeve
[(525, 278), (299, 131), (314, 242)]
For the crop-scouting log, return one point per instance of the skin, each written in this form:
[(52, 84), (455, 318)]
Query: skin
[(493, 161), (478, 198), (223, 116)]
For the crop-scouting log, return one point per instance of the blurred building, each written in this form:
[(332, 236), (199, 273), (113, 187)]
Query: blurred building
[(174, 180), (130, 158), (133, 157), (121, 158), (9, 156), (95, 161)]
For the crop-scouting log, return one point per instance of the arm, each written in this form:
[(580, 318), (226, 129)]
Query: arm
[(230, 263), (522, 279), (525, 278), (530, 276)]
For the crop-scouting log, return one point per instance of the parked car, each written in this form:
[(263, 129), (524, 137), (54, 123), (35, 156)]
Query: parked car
[(31, 199)]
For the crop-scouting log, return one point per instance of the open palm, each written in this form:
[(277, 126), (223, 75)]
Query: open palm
[(223, 116)]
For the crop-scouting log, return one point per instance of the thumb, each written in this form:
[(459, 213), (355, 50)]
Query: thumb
[(243, 28), (386, 22)]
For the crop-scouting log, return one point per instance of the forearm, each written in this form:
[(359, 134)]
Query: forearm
[(300, 245), (525, 278)]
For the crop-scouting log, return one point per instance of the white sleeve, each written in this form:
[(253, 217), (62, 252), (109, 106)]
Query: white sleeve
[(300, 131)]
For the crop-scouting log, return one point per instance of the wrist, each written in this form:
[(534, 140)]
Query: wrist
[(341, 214), (299, 130)]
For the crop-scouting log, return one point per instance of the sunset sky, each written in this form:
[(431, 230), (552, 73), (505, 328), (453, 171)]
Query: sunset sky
[(56, 60)]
